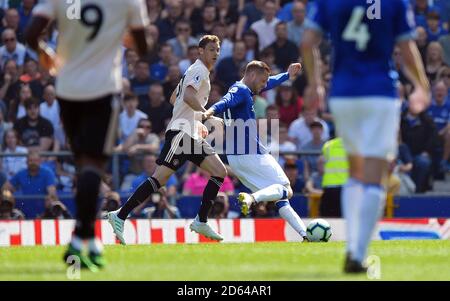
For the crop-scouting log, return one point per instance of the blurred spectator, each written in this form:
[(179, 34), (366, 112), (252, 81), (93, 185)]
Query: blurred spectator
[(421, 9), (149, 165), (263, 210), (205, 25), (154, 9), (3, 178), (158, 70), (131, 58), (17, 105), (49, 109), (418, 132), (403, 168), (34, 180), (35, 132), (4, 125), (316, 144), (295, 28), (159, 109), (37, 85), (141, 82), (422, 42), (25, 14), (54, 209), (111, 202), (183, 38), (191, 10), (10, 84), (11, 20), (221, 206), (172, 80), (197, 181), (227, 14), (439, 111), (141, 141), (288, 102), (192, 56), (215, 95), (30, 71), (300, 131), (445, 44), (250, 39), (314, 182), (7, 210), (398, 65), (11, 165), (265, 27), (228, 70), (285, 51), (12, 49), (130, 116), (161, 207), (281, 145), (251, 13), (226, 45), (295, 178), (166, 25), (434, 61), (434, 27)]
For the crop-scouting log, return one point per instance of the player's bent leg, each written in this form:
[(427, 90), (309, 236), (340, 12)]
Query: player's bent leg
[(117, 218), (292, 218)]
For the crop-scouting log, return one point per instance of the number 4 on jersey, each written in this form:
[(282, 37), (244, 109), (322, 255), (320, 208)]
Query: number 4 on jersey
[(356, 30)]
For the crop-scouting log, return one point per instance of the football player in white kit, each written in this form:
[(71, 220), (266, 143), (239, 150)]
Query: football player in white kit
[(88, 66), (185, 142)]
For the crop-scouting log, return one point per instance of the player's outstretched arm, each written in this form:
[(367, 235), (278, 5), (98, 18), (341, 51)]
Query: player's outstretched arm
[(414, 69), (311, 60), (276, 80)]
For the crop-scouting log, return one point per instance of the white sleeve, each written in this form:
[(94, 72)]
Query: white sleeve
[(45, 8), (194, 78), (138, 16)]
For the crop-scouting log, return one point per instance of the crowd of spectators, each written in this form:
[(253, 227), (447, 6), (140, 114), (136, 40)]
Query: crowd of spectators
[(267, 30)]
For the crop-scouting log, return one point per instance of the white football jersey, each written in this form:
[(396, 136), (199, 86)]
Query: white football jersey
[(184, 118), (89, 43)]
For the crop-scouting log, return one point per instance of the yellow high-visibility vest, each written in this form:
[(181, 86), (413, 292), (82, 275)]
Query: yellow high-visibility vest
[(336, 163)]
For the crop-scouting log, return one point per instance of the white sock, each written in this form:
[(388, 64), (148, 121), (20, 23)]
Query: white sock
[(369, 213), (352, 194), (76, 242), (291, 217), (95, 246), (274, 192)]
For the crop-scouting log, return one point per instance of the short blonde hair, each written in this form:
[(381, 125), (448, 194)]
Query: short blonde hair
[(205, 40), (257, 66)]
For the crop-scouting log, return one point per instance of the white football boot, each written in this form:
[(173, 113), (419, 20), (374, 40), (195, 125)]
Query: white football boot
[(204, 229), (117, 225), (245, 201)]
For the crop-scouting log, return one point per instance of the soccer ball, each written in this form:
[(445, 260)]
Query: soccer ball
[(318, 230)]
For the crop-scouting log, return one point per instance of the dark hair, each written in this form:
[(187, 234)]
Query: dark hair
[(205, 40), (129, 96), (31, 102), (294, 97)]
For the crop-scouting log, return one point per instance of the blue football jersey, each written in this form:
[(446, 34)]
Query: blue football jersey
[(237, 108), (363, 34)]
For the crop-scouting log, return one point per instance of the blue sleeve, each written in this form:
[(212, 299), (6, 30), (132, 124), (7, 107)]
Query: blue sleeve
[(233, 98), (316, 18), (276, 80), (404, 22)]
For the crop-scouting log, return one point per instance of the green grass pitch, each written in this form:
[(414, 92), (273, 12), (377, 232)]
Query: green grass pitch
[(400, 260)]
